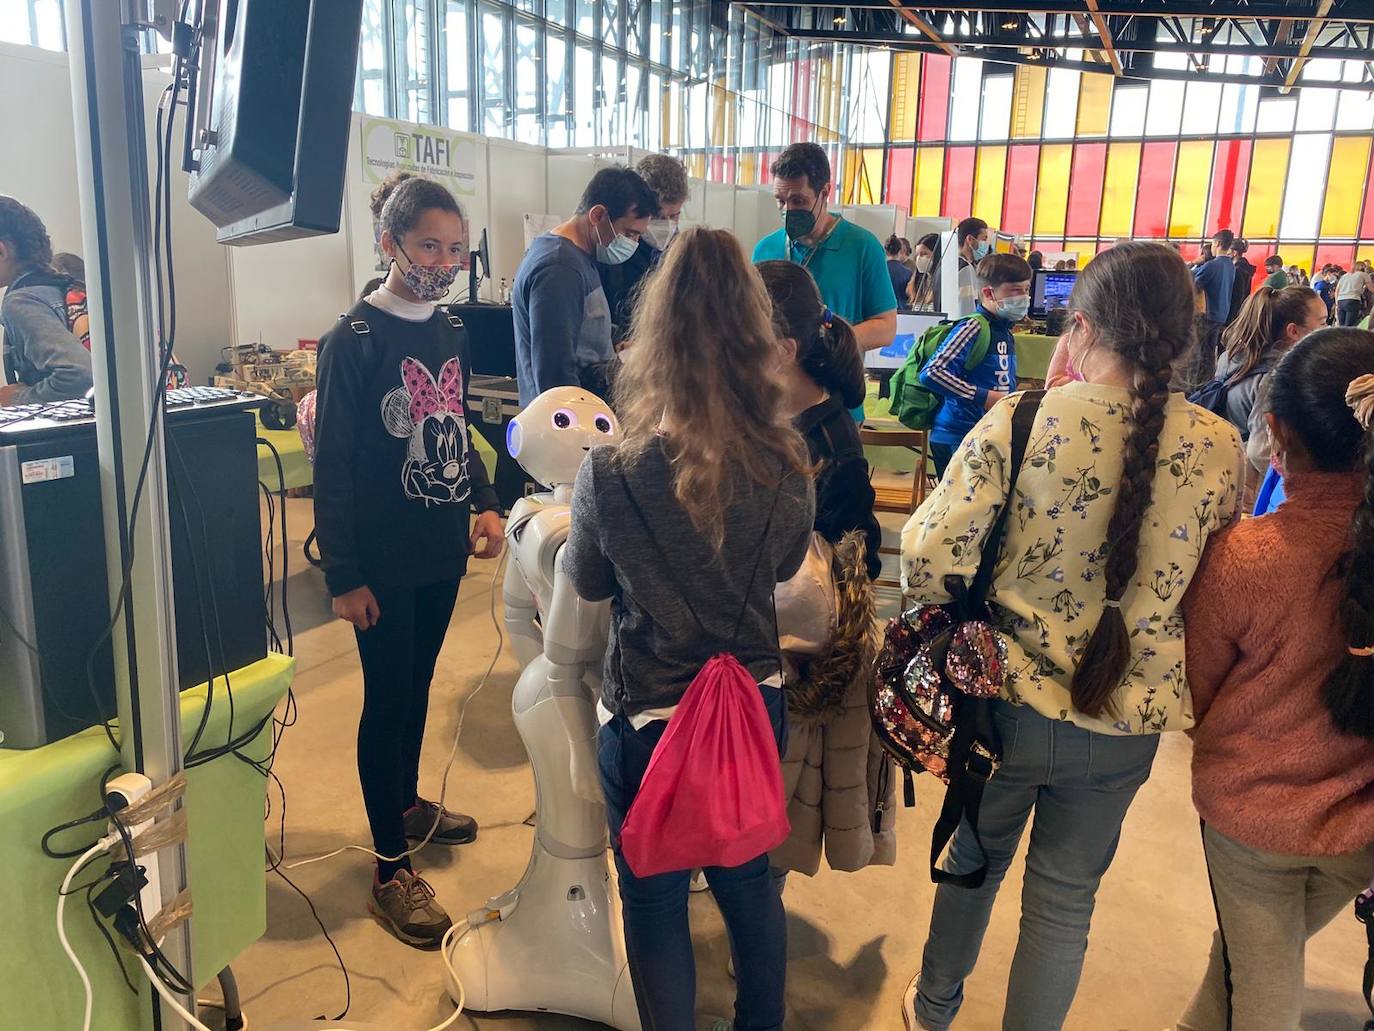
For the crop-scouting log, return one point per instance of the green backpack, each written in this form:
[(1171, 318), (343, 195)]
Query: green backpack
[(913, 404)]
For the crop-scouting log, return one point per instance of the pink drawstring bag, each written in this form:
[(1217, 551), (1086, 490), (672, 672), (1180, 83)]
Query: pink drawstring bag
[(712, 794)]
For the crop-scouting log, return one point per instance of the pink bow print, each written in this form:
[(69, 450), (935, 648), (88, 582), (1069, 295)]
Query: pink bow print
[(425, 397)]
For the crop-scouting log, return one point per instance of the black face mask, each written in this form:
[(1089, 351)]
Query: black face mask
[(798, 224)]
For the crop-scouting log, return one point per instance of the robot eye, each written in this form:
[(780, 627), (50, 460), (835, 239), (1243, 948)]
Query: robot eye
[(602, 423), (562, 419)]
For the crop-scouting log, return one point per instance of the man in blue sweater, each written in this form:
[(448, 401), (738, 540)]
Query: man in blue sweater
[(1215, 278), (971, 387)]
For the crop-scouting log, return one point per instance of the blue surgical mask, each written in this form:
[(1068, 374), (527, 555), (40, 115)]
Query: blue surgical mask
[(620, 250), (1014, 309), (981, 249)]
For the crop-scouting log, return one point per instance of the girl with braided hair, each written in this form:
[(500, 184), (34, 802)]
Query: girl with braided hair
[(1283, 686), (1121, 485)]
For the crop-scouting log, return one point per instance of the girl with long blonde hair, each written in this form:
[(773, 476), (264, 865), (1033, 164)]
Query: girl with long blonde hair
[(687, 527)]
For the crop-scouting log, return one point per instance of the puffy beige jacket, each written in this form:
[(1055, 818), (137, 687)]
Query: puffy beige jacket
[(841, 786), (839, 782)]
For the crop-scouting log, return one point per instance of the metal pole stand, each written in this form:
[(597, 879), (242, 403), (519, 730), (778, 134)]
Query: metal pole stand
[(112, 175)]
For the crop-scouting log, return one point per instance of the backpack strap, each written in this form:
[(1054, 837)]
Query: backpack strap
[(974, 747), (980, 347), (453, 320), (359, 326)]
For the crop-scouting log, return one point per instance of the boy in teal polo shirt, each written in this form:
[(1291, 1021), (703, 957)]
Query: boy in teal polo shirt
[(847, 261)]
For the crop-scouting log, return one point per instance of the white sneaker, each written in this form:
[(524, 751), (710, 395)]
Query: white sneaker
[(909, 1005)]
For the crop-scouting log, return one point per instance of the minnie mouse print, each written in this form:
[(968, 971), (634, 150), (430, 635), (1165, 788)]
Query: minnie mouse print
[(430, 415)]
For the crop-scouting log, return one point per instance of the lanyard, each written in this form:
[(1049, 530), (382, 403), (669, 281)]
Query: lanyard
[(812, 253)]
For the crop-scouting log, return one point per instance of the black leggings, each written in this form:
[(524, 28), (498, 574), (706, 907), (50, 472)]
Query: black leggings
[(398, 656)]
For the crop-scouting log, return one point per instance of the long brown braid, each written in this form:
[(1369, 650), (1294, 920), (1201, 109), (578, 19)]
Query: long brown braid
[(1138, 300)]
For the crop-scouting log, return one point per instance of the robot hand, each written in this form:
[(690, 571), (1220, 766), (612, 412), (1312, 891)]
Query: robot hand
[(586, 773)]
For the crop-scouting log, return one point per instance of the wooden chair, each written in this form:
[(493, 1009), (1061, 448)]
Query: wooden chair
[(898, 499)]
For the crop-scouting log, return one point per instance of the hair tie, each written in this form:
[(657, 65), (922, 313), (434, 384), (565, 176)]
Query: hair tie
[(1360, 397), (1362, 653), (828, 318), (1112, 603)]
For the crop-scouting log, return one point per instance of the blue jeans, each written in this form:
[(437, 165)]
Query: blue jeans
[(1079, 785), (657, 935)]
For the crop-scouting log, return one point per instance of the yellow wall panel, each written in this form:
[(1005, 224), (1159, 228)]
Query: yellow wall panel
[(1268, 176), (1345, 186), (1052, 189), (928, 182), (1119, 189), (906, 85), (988, 181), (1192, 174), (1299, 254), (1028, 102), (869, 188), (1094, 104), (748, 169), (849, 183)]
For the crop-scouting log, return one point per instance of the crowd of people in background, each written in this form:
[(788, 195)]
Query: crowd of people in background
[(1116, 591)]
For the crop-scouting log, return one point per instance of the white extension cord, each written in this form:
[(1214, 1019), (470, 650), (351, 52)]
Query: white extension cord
[(100, 846), (453, 751)]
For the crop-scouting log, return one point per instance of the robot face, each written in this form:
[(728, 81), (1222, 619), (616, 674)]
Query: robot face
[(551, 436)]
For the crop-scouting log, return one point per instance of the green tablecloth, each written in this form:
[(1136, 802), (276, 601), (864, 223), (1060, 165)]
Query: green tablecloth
[(295, 465), (298, 469), (1033, 354), (42, 787)]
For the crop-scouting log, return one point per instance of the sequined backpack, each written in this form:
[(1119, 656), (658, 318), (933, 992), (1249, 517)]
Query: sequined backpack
[(939, 668)]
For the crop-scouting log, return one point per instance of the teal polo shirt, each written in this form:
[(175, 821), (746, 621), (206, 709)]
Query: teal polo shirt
[(849, 266)]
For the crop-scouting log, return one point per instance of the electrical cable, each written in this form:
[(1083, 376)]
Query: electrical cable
[(170, 999), (100, 846), (275, 867), (162, 195), (285, 544), (453, 751)]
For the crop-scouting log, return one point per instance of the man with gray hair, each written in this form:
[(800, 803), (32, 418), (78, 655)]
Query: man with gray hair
[(667, 178)]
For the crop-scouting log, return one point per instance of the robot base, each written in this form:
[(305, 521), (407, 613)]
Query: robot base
[(553, 944)]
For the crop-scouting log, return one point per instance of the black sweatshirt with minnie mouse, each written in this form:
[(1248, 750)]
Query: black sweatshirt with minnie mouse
[(396, 473)]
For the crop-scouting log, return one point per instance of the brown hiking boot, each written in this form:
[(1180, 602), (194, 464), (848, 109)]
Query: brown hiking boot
[(407, 908), (453, 828)]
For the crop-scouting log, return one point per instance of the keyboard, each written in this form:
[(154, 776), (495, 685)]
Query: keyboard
[(178, 399)]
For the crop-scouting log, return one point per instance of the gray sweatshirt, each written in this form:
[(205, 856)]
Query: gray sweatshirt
[(45, 358), (656, 646), (1241, 395)]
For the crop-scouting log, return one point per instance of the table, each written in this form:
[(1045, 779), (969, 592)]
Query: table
[(42, 787), (295, 465)]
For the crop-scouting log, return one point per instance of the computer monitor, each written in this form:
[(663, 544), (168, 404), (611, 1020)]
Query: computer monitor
[(911, 326), (1050, 290), (491, 337), (481, 259)]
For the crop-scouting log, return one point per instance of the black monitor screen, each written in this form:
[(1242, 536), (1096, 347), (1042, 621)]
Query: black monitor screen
[(1051, 290), (491, 337)]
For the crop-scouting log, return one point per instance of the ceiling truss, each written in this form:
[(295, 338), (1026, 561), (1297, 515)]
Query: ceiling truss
[(1124, 38)]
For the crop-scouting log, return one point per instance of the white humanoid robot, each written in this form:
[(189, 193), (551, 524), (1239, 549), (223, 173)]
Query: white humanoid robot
[(555, 941)]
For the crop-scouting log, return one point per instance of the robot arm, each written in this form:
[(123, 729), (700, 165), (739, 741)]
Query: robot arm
[(522, 611), (576, 635)]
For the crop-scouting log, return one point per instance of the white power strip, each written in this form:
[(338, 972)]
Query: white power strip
[(134, 787)]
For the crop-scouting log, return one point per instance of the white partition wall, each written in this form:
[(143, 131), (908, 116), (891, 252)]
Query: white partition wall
[(519, 174), (719, 210), (35, 91)]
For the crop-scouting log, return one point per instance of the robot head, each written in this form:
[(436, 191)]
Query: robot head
[(551, 436)]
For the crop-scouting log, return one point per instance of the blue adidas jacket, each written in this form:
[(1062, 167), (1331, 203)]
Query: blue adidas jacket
[(964, 391)]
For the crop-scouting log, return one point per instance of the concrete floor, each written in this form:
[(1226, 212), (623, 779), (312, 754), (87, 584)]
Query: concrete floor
[(854, 939)]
